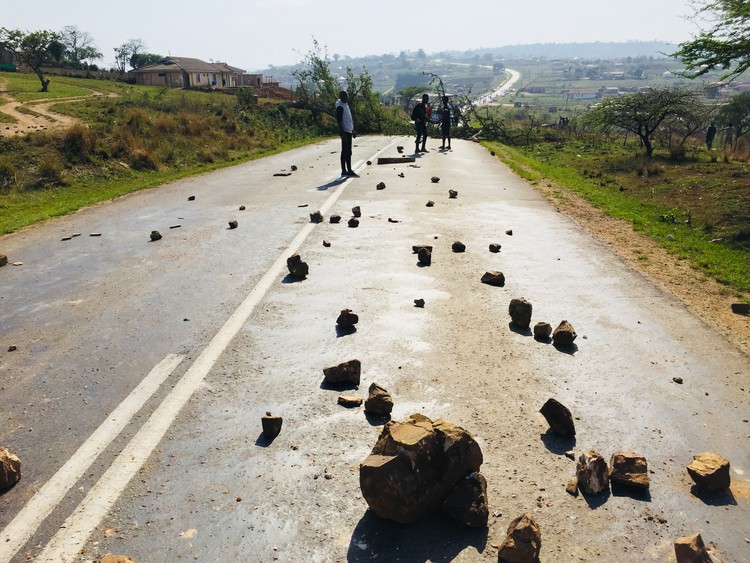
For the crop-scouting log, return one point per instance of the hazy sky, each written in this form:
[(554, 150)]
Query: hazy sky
[(253, 34)]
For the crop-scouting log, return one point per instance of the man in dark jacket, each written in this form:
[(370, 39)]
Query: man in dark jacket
[(419, 115)]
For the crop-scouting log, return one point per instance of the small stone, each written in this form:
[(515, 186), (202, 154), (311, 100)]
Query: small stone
[(191, 198), (592, 473), (356, 211), (380, 186), (520, 312), (379, 402), (369, 163), (630, 469), (327, 243), (494, 247), (542, 330), (392, 220), (419, 303), (452, 194), (458, 246), (353, 222), (112, 558), (316, 217), (570, 454), (293, 168), (347, 319), (691, 549), (242, 208), (564, 335), (492, 153), (401, 175), (509, 232), (434, 179), (297, 268), (559, 418), (233, 224), (430, 204), (494, 278), (95, 234), (400, 149), (334, 219), (677, 380), (424, 256), (12, 348), (10, 469), (349, 401), (347, 372), (175, 226), (67, 238), (710, 472), (523, 541), (572, 487), (271, 425), (155, 235), (3, 259)]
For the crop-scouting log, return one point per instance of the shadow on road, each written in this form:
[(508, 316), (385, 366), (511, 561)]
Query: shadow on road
[(437, 538), (523, 331), (596, 501), (377, 419), (635, 493), (570, 350), (342, 331), (263, 441), (289, 278), (333, 184), (721, 498), (557, 444)]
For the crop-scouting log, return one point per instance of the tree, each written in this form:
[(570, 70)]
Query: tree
[(643, 112), (79, 46), (124, 53), (736, 113), (35, 48), (140, 60), (725, 42)]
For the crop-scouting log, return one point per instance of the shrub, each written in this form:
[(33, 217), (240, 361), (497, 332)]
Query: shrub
[(143, 160), (7, 173), (49, 172), (78, 143)]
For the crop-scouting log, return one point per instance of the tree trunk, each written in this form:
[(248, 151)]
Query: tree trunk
[(648, 145)]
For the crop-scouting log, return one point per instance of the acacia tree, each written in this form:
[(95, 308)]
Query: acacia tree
[(79, 46), (35, 48), (643, 113), (736, 112), (724, 42)]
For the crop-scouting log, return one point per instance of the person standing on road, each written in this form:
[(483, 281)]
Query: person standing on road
[(347, 132), (445, 122), (419, 115)]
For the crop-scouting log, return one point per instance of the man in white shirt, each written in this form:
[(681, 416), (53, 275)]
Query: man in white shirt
[(347, 132)]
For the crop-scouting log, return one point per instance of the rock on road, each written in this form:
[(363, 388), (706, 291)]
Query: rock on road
[(92, 316)]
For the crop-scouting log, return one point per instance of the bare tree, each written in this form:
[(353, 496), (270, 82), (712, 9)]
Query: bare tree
[(79, 45), (125, 53)]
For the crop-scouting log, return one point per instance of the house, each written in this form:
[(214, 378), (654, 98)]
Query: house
[(582, 94), (184, 72)]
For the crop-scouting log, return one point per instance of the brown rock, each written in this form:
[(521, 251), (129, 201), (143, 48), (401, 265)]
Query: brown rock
[(334, 219), (493, 278), (3, 259), (542, 330), (233, 224), (353, 222), (242, 208), (419, 303), (424, 256), (297, 268), (347, 372), (155, 235), (417, 247), (691, 549), (434, 179), (520, 312), (400, 149), (414, 466), (458, 246), (572, 487), (559, 418), (523, 541), (494, 247), (509, 232), (564, 335), (111, 558), (627, 468), (349, 401), (327, 243), (347, 319), (379, 401), (592, 473), (271, 425), (467, 502), (10, 469), (316, 217), (392, 220), (293, 168), (452, 194), (710, 472), (191, 198), (356, 211), (380, 186), (430, 203)]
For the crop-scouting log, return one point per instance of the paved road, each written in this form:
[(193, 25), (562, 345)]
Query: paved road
[(203, 318)]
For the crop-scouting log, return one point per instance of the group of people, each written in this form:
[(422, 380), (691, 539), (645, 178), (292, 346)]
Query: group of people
[(421, 114), (711, 134)]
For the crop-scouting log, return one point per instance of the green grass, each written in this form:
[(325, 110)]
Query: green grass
[(683, 208), (25, 87)]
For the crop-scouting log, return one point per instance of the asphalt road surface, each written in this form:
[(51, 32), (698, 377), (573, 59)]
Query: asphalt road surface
[(142, 370)]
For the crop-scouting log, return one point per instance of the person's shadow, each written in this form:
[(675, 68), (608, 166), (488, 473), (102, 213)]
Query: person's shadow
[(332, 184)]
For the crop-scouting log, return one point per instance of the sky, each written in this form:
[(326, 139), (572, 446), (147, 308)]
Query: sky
[(255, 34)]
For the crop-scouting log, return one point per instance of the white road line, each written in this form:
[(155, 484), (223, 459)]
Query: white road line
[(26, 522), (72, 536)]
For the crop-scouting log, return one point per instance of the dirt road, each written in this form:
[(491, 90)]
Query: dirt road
[(212, 490)]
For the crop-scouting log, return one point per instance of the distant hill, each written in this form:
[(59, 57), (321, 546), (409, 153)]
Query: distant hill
[(597, 50)]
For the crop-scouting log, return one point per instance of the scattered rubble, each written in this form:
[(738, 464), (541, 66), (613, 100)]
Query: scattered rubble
[(379, 402), (434, 179), (380, 186), (452, 194), (175, 226), (155, 235), (347, 319), (10, 469), (401, 175), (542, 331), (430, 203), (271, 425), (424, 256), (297, 268), (467, 502), (95, 234), (458, 246), (564, 335), (520, 312), (509, 232), (233, 224), (710, 472), (523, 541), (592, 473), (327, 243), (334, 219), (191, 198), (493, 278), (691, 549), (242, 208), (349, 401), (572, 487), (12, 348), (356, 211), (494, 247), (353, 223), (347, 372), (419, 303), (316, 217), (293, 168), (414, 466), (393, 220), (678, 380), (400, 149), (559, 418), (629, 469)]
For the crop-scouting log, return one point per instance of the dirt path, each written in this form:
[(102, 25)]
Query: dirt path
[(42, 118)]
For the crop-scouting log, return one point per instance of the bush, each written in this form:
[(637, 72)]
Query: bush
[(7, 173), (49, 172), (78, 143), (143, 160)]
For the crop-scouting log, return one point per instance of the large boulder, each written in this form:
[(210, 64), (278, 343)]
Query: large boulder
[(628, 468), (467, 502), (348, 372), (523, 541), (10, 469), (592, 473), (414, 466), (559, 418), (710, 472), (691, 549), (379, 401), (520, 312), (297, 268)]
